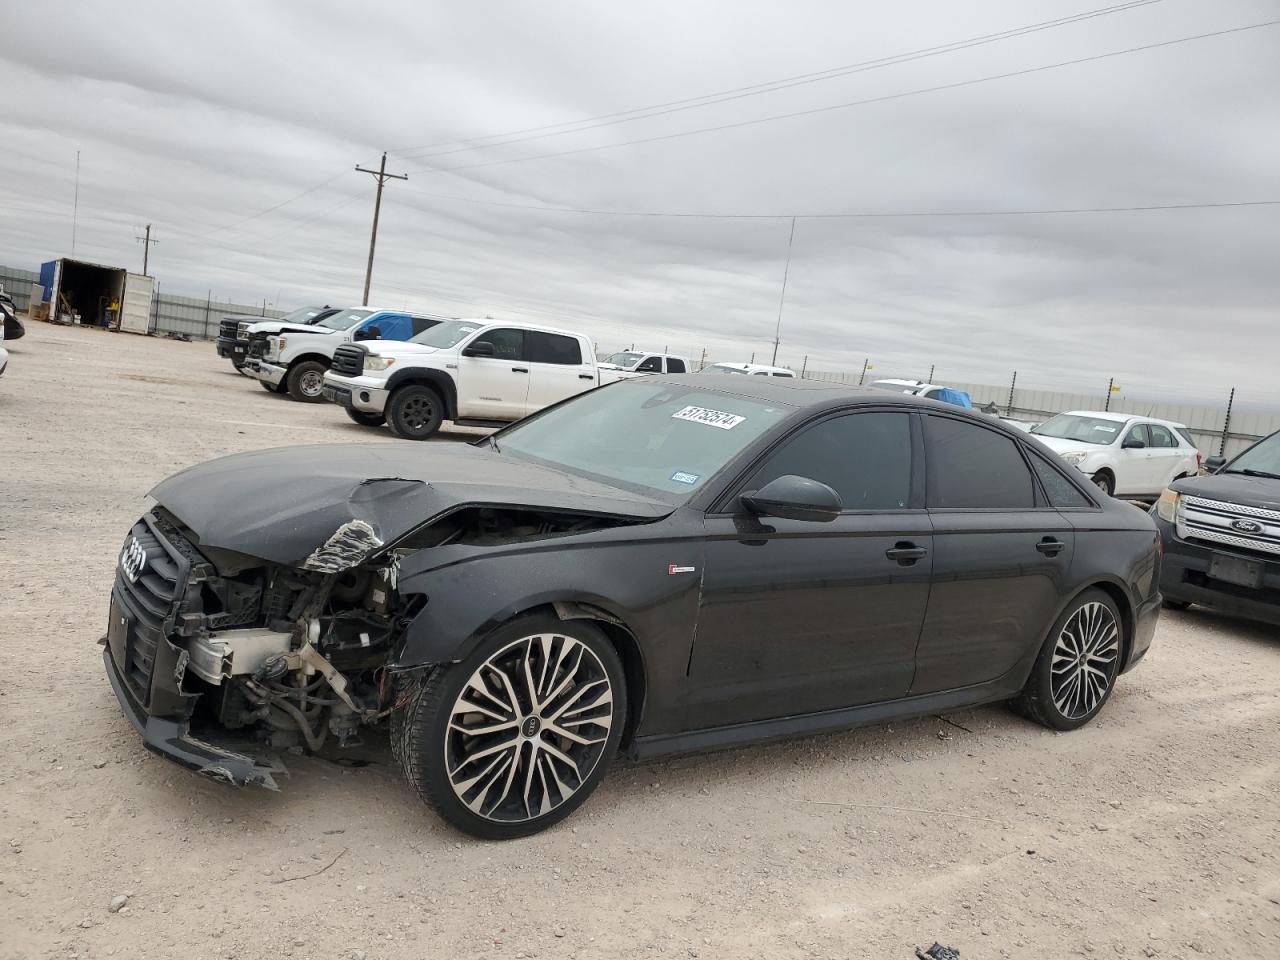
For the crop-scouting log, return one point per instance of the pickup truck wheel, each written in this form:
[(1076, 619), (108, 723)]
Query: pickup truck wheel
[(365, 419), (514, 738), (305, 381), (271, 387), (415, 412)]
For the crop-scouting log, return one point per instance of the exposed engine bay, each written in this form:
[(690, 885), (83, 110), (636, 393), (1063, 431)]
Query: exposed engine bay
[(290, 658)]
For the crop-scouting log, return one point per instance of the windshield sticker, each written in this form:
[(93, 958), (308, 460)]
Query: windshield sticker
[(681, 477), (712, 418)]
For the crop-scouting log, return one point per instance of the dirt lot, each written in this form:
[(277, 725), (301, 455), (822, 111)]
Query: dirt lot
[(1151, 833)]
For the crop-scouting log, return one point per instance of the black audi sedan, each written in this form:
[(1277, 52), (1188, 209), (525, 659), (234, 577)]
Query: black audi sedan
[(663, 564)]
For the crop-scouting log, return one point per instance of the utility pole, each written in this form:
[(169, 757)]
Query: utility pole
[(931, 366), (1008, 410), (75, 206), (865, 363), (777, 332), (382, 177), (146, 249), (1111, 385), (1226, 424)]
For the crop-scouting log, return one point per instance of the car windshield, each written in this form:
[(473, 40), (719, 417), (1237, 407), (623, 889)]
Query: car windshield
[(1072, 426), (343, 319), (1262, 459), (662, 440), (447, 334), (626, 360), (304, 315)]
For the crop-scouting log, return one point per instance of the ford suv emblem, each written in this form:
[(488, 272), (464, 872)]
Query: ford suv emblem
[(133, 559), (1246, 526)]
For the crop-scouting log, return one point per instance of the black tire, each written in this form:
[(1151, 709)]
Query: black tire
[(415, 412), (304, 381), (1105, 482), (427, 735), (365, 419), (272, 387), (1049, 700), (1177, 604), (239, 365)]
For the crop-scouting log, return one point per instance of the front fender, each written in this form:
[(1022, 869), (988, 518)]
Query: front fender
[(632, 582)]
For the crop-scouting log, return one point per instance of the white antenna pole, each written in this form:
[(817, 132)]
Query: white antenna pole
[(75, 205), (777, 332)]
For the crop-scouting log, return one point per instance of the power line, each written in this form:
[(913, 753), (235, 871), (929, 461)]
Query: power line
[(737, 93), (857, 103), (263, 212), (858, 215)]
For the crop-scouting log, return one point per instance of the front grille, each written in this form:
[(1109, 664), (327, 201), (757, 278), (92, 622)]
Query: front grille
[(348, 360), (258, 345), (155, 587), (227, 329), (1215, 521)]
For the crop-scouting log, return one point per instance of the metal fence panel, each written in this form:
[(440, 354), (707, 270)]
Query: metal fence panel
[(17, 283)]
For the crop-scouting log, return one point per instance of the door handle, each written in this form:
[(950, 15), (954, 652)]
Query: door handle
[(906, 553), (519, 369), (1050, 546), (585, 376)]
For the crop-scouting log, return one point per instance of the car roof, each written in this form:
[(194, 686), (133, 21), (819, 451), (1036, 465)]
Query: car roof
[(521, 325), (1122, 417), (748, 366)]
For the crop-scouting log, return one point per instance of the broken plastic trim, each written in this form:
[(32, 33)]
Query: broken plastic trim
[(349, 546)]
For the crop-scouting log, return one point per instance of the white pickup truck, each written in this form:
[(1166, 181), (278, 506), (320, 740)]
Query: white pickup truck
[(291, 357), (474, 372)]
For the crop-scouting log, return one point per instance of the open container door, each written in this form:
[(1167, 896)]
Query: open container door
[(135, 306)]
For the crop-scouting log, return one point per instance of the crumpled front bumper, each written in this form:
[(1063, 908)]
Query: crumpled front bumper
[(264, 371), (172, 740)]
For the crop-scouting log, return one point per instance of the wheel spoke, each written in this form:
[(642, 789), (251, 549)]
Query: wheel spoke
[(1084, 660), (528, 727)]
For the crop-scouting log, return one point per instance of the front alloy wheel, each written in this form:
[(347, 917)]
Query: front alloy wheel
[(514, 738), (1077, 667)]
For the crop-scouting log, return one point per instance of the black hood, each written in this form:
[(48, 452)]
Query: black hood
[(1233, 488), (328, 506)]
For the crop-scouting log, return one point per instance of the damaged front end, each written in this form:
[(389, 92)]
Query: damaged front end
[(204, 642), (219, 657)]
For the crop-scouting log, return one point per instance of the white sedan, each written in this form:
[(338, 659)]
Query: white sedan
[(1125, 455)]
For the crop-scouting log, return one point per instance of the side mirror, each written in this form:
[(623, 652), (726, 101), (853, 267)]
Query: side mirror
[(1215, 463), (1132, 444), (480, 348), (794, 498)]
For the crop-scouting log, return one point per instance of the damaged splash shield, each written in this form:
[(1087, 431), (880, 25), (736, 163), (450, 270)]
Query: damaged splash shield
[(329, 507)]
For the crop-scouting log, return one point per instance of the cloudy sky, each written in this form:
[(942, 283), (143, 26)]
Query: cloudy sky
[(233, 129)]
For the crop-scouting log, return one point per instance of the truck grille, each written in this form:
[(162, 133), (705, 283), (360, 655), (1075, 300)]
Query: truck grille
[(1230, 524), (153, 586), (348, 360), (227, 329)]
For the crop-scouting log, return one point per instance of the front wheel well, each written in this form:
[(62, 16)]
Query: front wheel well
[(623, 641), (317, 357)]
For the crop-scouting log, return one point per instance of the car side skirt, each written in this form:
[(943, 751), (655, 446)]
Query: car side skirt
[(831, 721)]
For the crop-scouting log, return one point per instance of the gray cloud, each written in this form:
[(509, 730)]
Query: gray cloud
[(193, 118)]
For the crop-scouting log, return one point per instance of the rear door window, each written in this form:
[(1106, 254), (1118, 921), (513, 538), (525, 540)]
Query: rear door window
[(1060, 491), (552, 348), (1161, 436), (675, 365), (973, 468), (864, 457)]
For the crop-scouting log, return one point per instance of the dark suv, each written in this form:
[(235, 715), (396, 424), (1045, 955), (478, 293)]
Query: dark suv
[(1222, 535)]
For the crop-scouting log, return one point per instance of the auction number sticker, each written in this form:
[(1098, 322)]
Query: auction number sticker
[(712, 418)]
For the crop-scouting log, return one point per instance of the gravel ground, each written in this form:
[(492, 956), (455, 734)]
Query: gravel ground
[(1150, 833)]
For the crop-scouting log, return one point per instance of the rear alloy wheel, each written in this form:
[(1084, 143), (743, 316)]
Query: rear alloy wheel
[(365, 419), (415, 412), (305, 381), (1102, 480), (1078, 665), (514, 738)]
